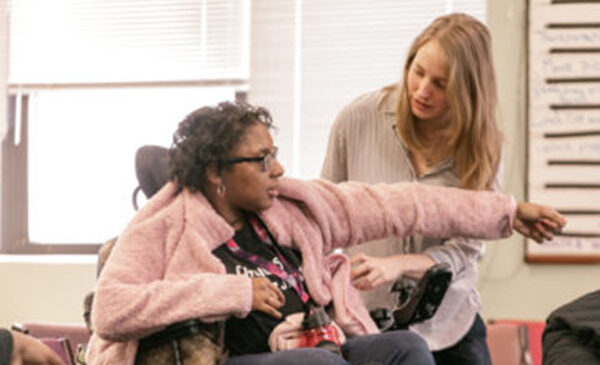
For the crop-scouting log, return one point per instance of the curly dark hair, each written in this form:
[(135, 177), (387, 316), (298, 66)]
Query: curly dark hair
[(207, 136)]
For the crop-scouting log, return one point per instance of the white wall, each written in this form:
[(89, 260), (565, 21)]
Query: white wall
[(510, 288)]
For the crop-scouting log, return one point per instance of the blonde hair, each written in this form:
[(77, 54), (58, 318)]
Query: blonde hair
[(475, 139)]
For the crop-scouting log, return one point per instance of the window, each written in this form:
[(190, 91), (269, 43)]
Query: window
[(89, 83)]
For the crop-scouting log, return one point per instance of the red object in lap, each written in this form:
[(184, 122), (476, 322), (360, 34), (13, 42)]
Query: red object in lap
[(318, 330)]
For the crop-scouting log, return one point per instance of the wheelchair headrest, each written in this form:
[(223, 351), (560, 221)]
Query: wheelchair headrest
[(152, 168)]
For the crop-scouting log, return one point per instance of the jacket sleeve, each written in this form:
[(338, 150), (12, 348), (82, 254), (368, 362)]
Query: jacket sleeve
[(460, 252), (572, 333), (351, 213), (135, 297), (563, 347)]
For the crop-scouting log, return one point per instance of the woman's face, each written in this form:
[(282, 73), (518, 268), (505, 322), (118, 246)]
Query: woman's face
[(427, 81), (248, 186)]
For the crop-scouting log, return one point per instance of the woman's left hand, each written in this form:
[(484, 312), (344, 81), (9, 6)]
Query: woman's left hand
[(266, 297), (538, 222), (370, 272)]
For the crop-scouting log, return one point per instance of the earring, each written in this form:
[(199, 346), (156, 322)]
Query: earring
[(221, 189)]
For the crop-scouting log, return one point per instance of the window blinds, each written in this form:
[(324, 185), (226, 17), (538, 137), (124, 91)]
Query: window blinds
[(114, 41)]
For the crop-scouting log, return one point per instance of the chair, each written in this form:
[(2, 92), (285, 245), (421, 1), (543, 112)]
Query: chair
[(508, 343), (61, 347), (63, 338), (535, 329)]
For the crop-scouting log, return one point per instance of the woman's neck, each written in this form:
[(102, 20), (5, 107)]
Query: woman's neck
[(431, 133), (434, 148), (233, 216)]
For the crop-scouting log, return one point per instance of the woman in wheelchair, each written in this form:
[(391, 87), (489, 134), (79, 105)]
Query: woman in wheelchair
[(229, 240)]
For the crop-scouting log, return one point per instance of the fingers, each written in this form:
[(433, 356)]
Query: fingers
[(530, 230), (360, 281), (370, 272), (551, 225), (536, 212), (269, 307), (553, 218), (538, 222), (358, 259), (522, 228), (360, 266), (359, 271), (369, 282), (370, 278), (542, 229), (376, 279), (279, 296), (266, 297)]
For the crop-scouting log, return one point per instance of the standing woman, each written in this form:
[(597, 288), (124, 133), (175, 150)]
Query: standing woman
[(436, 126)]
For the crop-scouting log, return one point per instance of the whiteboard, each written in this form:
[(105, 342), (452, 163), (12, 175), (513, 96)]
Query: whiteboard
[(563, 163)]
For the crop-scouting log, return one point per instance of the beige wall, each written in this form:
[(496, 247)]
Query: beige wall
[(509, 287), (45, 291), (53, 291)]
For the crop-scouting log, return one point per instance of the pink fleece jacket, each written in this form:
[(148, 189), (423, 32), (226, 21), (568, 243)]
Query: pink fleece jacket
[(162, 270)]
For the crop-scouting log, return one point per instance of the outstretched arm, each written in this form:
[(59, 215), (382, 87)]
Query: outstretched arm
[(532, 220)]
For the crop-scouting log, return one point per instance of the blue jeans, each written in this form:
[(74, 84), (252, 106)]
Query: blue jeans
[(472, 349), (390, 348)]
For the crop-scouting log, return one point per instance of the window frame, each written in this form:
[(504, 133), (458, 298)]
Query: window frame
[(15, 223), (15, 212)]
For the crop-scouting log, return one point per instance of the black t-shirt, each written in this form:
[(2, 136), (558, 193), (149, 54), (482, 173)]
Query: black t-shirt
[(250, 335)]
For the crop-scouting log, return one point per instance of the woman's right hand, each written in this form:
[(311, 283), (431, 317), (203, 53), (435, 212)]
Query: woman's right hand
[(266, 297), (538, 222)]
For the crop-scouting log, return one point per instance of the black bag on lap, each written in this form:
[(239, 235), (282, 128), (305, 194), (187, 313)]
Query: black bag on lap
[(418, 299)]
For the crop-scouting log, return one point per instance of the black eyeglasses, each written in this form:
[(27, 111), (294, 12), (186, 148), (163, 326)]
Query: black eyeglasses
[(266, 161)]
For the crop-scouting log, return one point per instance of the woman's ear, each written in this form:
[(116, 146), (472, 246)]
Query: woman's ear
[(213, 175)]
